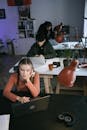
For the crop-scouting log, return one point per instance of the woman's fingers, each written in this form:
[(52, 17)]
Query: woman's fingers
[(25, 99)]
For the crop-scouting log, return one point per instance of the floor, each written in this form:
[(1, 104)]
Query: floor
[(7, 61)]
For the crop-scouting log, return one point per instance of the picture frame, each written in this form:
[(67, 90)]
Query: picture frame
[(24, 12), (2, 14)]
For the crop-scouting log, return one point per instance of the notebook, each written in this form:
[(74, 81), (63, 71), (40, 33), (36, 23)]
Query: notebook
[(4, 121), (35, 105)]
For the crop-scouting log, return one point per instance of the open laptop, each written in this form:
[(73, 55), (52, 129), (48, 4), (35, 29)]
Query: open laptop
[(38, 60), (35, 105)]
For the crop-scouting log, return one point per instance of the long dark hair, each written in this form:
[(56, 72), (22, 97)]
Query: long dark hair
[(24, 61), (43, 29)]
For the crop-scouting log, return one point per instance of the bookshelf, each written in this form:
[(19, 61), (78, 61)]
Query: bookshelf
[(26, 28), (26, 24)]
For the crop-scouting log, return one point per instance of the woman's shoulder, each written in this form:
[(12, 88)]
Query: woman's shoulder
[(48, 43)]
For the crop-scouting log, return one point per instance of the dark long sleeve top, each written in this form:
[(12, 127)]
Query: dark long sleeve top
[(46, 50)]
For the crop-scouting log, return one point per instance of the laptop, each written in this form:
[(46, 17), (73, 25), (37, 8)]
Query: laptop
[(38, 60), (35, 105)]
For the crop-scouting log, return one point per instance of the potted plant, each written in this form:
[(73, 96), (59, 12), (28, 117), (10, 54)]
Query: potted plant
[(67, 60)]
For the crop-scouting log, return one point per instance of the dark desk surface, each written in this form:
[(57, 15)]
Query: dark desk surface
[(47, 120)]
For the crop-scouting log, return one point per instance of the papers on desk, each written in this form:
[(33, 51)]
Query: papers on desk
[(4, 122), (65, 45)]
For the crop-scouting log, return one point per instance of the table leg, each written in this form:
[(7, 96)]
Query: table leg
[(58, 88), (47, 83)]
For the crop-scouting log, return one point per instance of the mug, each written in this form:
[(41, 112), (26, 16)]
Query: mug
[(50, 66)]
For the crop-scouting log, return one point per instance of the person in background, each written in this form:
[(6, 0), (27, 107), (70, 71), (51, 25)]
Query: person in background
[(46, 28), (26, 82), (57, 29), (58, 33), (42, 47)]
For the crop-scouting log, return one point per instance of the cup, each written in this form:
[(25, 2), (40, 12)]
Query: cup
[(50, 66)]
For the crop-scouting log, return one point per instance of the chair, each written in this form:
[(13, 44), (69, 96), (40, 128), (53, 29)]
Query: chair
[(10, 46)]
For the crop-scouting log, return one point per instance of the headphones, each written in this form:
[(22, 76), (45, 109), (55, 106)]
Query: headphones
[(66, 117)]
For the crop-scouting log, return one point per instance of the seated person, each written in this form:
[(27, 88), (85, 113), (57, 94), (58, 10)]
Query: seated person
[(46, 28), (58, 28), (21, 86), (26, 80), (41, 47), (58, 33)]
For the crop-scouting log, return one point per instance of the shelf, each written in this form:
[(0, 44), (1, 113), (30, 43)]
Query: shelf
[(26, 27)]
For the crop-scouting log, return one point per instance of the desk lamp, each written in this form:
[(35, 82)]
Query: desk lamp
[(67, 76)]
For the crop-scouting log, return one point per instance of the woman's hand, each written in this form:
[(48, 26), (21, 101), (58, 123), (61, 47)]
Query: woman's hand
[(29, 76), (42, 56), (23, 99)]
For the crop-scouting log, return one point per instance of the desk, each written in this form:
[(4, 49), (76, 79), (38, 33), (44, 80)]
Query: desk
[(43, 69), (60, 48), (47, 120), (66, 45), (47, 75)]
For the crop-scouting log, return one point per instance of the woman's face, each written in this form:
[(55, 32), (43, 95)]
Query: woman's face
[(41, 43), (25, 71), (49, 28)]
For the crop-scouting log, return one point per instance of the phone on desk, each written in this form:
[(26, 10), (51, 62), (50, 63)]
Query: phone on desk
[(56, 64)]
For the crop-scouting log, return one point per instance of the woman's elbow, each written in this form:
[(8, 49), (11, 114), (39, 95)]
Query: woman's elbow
[(4, 93), (36, 94)]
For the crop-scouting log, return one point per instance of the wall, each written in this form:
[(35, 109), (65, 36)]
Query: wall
[(8, 26), (85, 20), (68, 11)]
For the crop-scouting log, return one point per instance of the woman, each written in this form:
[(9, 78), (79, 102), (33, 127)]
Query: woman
[(46, 28), (26, 80), (42, 48), (58, 33), (21, 86)]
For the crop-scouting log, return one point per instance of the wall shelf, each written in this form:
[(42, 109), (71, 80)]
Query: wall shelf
[(26, 28)]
